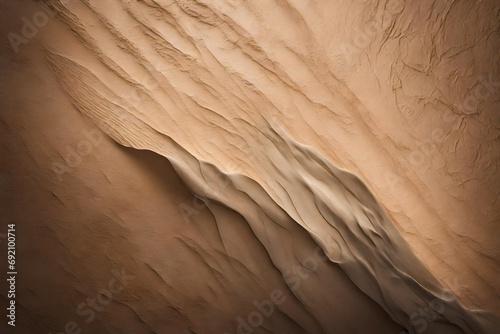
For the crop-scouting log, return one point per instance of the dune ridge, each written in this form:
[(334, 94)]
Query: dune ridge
[(298, 186)]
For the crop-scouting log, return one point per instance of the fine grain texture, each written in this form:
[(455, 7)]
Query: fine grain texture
[(285, 166)]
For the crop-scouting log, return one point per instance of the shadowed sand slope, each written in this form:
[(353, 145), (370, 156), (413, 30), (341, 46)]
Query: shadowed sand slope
[(257, 166)]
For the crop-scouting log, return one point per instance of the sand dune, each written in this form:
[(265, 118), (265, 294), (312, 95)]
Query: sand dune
[(254, 166)]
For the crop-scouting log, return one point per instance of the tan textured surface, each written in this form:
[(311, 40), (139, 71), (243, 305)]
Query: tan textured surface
[(253, 103)]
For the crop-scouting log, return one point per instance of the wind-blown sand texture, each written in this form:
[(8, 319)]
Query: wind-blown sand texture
[(335, 161)]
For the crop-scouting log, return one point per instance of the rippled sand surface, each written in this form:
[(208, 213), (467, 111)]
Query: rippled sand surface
[(285, 166)]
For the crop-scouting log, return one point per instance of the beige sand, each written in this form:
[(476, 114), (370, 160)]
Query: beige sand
[(259, 108)]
